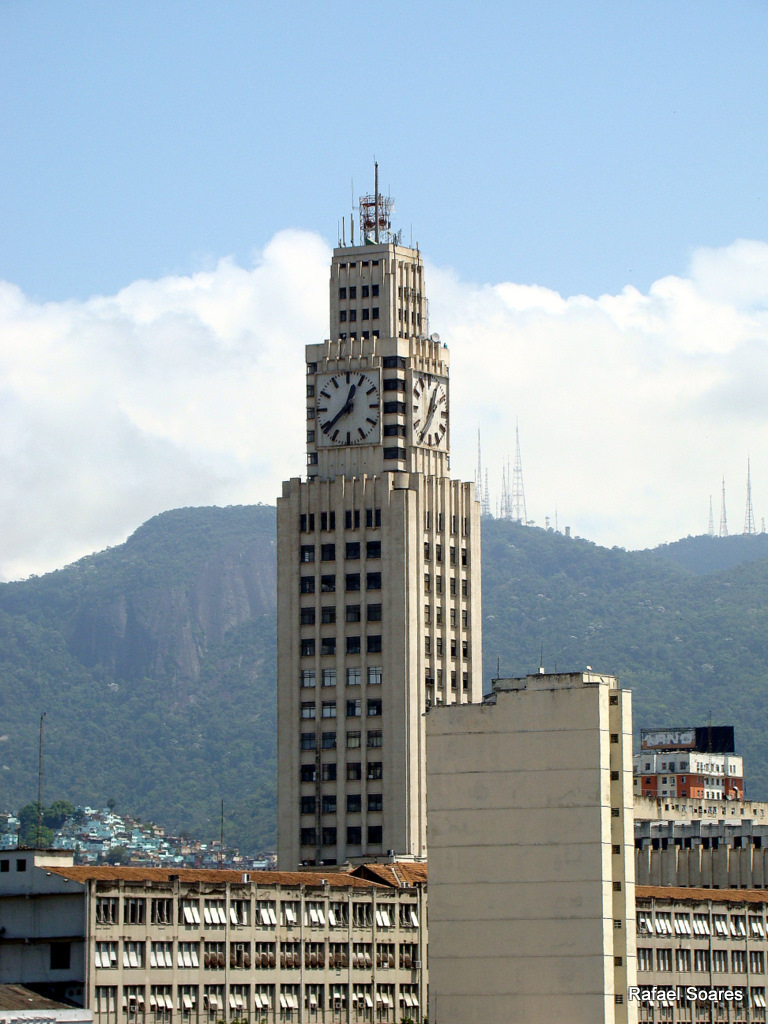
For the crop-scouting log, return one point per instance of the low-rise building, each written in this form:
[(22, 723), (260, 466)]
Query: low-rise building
[(273, 946)]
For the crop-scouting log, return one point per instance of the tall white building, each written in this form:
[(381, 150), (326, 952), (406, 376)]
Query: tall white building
[(378, 567), (531, 874)]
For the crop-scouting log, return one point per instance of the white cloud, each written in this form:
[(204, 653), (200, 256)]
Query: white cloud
[(188, 391)]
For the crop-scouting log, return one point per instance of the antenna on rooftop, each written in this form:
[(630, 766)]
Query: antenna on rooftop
[(749, 518), (40, 787), (723, 517)]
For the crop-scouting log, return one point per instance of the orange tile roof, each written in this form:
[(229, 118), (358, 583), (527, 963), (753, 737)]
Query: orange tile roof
[(397, 873), (679, 892), (107, 873)]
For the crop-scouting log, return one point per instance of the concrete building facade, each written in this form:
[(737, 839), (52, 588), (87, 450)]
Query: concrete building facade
[(149, 944), (378, 571), (531, 859)]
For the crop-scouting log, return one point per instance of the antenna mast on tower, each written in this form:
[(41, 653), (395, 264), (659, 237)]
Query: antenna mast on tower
[(486, 506), (711, 529), (518, 511), (749, 518), (723, 517)]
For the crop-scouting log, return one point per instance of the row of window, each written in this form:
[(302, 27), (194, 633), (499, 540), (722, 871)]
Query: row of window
[(352, 613), (328, 836), (665, 923), (452, 617), (308, 804), (352, 520), (439, 585), (351, 552), (439, 553), (716, 960), (440, 645), (353, 645), (328, 772), (430, 680), (352, 583), (373, 738), (354, 676), (365, 291), (354, 709), (367, 314), (364, 998), (440, 522)]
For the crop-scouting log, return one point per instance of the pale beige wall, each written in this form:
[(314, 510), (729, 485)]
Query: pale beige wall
[(526, 855)]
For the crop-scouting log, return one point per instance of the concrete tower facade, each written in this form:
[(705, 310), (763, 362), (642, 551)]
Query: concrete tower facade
[(378, 567)]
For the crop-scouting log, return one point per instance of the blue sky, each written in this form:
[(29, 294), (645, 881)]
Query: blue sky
[(586, 180), (579, 146)]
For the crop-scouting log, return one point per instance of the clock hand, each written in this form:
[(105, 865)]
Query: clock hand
[(430, 413), (345, 409)]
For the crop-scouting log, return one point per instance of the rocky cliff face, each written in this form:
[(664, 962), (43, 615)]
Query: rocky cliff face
[(165, 632)]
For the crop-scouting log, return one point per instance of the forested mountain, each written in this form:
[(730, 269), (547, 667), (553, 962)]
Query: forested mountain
[(155, 660)]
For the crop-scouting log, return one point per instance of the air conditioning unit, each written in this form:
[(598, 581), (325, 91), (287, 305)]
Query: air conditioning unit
[(417, 965)]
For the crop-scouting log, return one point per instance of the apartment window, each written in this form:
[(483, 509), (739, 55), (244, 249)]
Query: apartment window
[(353, 740), (614, 737), (308, 741), (327, 552), (374, 738), (438, 552), (342, 293), (308, 805), (307, 710), (375, 802), (307, 553), (307, 585), (465, 681), (329, 741), (329, 709), (307, 648), (374, 675), (354, 835), (329, 677), (373, 581), (353, 645), (464, 588), (427, 645), (664, 960), (719, 961), (328, 584), (374, 613), (366, 313), (615, 812), (307, 616), (427, 583), (308, 837), (452, 589), (106, 910), (701, 960), (373, 549), (352, 613), (375, 835), (308, 773), (354, 803), (757, 961), (310, 390), (328, 615), (682, 960), (352, 313), (439, 615), (328, 772), (133, 953), (465, 649), (617, 886), (374, 708), (354, 676), (60, 956), (161, 911), (105, 955), (134, 909), (328, 645), (373, 644), (375, 770), (394, 430), (353, 292), (354, 771), (353, 549), (438, 584), (329, 804), (614, 776), (739, 961), (352, 581), (329, 836)]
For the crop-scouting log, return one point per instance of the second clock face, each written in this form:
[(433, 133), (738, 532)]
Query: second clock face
[(429, 410), (348, 408)]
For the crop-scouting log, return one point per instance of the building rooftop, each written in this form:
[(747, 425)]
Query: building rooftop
[(16, 997), (676, 893), (107, 873)]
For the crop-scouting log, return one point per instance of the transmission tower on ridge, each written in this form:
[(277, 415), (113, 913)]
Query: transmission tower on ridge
[(711, 530), (723, 517), (485, 508), (517, 510), (749, 518)]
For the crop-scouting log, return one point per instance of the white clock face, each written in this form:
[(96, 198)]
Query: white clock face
[(429, 411), (348, 408)]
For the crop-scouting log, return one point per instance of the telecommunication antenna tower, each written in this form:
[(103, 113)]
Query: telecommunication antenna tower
[(749, 518), (504, 509), (711, 529), (723, 516), (518, 511), (376, 215), (486, 506), (479, 473)]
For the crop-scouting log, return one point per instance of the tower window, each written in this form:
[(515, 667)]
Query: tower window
[(353, 291), (352, 314), (375, 312), (375, 802), (308, 773), (329, 709), (329, 804), (353, 550), (308, 741), (308, 805), (373, 645), (342, 293), (308, 837), (366, 314), (328, 645), (343, 315), (329, 677), (354, 835), (353, 613), (374, 738), (374, 708), (393, 407), (329, 741), (373, 549), (375, 770), (354, 676), (307, 710), (375, 835), (327, 552), (328, 614), (307, 648), (365, 291), (375, 291), (307, 616), (374, 613), (353, 645), (394, 453), (353, 740), (352, 581), (373, 581), (327, 584), (329, 837), (329, 770), (374, 675), (354, 803), (354, 771), (354, 708), (307, 678)]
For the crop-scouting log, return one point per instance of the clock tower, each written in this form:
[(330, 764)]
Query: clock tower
[(378, 567)]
